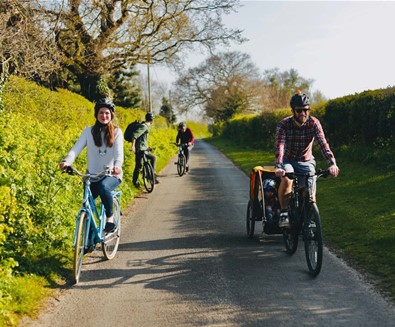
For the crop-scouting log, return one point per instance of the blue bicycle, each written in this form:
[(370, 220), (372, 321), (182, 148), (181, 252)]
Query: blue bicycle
[(90, 223)]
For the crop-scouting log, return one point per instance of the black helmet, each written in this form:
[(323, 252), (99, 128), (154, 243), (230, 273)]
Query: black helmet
[(149, 116), (182, 125), (107, 103), (299, 100)]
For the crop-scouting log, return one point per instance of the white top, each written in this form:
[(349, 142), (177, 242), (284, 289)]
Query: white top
[(98, 157)]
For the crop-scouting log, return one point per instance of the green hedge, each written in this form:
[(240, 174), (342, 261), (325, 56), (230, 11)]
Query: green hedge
[(367, 118)]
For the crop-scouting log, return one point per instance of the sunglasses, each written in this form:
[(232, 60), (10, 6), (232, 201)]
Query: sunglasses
[(300, 110)]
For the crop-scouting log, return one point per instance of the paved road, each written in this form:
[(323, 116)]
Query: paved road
[(185, 260)]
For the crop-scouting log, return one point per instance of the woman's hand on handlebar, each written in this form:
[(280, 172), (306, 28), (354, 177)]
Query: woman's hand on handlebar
[(116, 171), (62, 166)]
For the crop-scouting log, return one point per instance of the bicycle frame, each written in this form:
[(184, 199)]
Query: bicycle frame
[(93, 214)]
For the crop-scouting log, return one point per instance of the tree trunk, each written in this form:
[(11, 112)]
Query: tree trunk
[(88, 84)]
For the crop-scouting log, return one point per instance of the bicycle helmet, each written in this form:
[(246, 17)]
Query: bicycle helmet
[(299, 100), (149, 116), (182, 125), (269, 185), (107, 103)]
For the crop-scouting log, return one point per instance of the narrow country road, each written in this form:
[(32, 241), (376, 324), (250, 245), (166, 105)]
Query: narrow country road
[(185, 260)]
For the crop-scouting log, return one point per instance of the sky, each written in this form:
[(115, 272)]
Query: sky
[(345, 47)]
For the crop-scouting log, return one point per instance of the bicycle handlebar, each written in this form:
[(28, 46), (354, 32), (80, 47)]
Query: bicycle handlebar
[(319, 173), (74, 171)]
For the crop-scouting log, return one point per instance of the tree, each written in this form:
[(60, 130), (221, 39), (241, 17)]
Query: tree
[(280, 86), (126, 92), (26, 50), (223, 85), (99, 37), (166, 110)]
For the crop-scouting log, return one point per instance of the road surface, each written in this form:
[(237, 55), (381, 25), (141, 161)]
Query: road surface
[(185, 260)]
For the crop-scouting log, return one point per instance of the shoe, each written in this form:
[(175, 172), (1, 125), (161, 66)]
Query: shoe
[(284, 220), (137, 185), (156, 181), (187, 169), (110, 227)]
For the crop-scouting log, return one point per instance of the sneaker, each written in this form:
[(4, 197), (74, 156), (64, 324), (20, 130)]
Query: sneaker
[(110, 227), (284, 220), (137, 185)]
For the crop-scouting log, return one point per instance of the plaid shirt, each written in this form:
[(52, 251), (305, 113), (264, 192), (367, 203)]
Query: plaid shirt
[(296, 143)]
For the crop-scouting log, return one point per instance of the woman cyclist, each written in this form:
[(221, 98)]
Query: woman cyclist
[(104, 142)]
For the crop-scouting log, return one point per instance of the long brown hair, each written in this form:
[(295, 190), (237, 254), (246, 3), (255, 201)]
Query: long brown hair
[(109, 132)]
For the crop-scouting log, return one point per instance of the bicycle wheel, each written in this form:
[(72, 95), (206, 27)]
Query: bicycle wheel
[(181, 164), (148, 177), (111, 240), (81, 232), (313, 244), (291, 235), (250, 220)]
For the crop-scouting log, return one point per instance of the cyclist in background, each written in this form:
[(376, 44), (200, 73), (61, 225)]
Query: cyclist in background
[(139, 144), (185, 136), (294, 143), (104, 142)]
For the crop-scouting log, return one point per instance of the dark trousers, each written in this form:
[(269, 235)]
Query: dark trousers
[(139, 162)]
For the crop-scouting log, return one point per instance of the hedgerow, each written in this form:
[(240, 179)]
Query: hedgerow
[(38, 203)]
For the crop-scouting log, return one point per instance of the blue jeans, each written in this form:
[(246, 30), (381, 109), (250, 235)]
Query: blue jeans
[(104, 189)]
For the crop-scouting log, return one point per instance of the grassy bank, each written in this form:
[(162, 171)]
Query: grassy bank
[(357, 210)]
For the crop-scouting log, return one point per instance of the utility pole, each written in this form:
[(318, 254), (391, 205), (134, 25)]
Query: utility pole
[(149, 85)]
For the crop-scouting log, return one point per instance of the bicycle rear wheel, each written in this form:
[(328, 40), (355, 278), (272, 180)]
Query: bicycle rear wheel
[(81, 233), (250, 220), (111, 240), (148, 177), (291, 235), (181, 164), (313, 243)]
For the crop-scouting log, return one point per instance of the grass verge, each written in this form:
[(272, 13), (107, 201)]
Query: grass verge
[(357, 210)]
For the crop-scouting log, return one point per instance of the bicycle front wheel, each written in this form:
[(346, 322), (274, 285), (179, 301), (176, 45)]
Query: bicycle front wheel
[(148, 177), (79, 248), (181, 164), (313, 243), (111, 240)]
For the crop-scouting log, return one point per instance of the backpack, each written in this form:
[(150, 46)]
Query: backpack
[(128, 135)]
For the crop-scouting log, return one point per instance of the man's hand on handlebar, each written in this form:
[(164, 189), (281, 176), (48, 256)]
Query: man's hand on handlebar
[(333, 170), (279, 172)]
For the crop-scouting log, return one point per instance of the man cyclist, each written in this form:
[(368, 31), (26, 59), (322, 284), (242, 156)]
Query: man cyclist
[(294, 143), (140, 144), (185, 136)]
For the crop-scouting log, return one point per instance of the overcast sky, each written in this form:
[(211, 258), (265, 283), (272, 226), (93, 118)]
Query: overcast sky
[(346, 47)]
